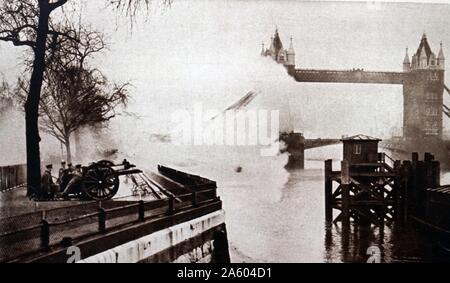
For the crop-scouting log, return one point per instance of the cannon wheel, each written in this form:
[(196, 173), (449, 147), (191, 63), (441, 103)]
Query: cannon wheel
[(100, 181)]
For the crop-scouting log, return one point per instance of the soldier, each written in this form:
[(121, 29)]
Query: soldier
[(61, 170), (65, 174), (48, 186), (75, 183), (70, 167)]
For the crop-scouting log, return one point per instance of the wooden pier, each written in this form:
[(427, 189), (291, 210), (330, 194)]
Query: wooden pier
[(371, 188)]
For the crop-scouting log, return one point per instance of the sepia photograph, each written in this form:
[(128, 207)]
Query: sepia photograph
[(246, 132)]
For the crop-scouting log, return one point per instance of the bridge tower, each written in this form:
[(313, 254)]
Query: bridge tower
[(423, 89), (279, 54)]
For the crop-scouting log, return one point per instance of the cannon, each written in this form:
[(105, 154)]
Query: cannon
[(100, 180)]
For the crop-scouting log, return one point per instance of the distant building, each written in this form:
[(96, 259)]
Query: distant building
[(278, 53)]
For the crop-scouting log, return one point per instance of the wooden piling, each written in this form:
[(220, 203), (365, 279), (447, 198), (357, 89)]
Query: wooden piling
[(397, 189), (420, 188), (428, 157), (407, 179), (413, 177), (429, 180), (345, 186), (414, 157), (436, 169), (328, 190)]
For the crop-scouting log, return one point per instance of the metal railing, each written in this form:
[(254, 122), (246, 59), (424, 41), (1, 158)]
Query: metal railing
[(104, 217)]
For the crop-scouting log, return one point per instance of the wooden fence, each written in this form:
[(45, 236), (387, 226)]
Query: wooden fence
[(12, 176)]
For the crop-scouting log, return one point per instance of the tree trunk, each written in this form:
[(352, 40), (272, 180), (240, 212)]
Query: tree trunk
[(68, 150), (32, 104)]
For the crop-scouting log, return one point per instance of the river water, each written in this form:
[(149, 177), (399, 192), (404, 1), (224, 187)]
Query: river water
[(277, 216)]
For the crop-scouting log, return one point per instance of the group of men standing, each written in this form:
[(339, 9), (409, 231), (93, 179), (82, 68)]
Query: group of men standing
[(69, 179)]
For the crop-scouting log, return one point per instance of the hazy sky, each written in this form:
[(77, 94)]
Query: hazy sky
[(208, 51)]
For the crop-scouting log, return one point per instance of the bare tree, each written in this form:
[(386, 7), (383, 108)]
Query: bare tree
[(28, 23), (63, 113)]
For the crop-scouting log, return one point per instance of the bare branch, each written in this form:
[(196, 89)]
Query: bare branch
[(17, 42)]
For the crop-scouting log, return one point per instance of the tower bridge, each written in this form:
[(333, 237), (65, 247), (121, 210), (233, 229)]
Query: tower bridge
[(422, 79)]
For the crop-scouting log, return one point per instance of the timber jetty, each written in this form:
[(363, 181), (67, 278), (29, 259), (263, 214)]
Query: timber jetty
[(373, 189)]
